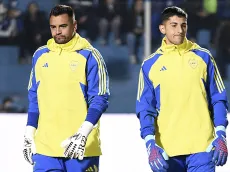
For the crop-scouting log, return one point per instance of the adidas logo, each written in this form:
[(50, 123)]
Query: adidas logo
[(163, 68), (45, 65), (92, 169)]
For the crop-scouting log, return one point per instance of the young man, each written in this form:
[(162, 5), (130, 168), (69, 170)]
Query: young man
[(68, 92), (182, 102)]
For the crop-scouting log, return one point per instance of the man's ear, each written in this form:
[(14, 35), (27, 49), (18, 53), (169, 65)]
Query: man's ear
[(75, 25), (162, 28)]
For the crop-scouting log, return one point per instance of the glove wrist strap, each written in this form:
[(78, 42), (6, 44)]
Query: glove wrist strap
[(220, 128), (30, 131), (86, 128), (149, 137)]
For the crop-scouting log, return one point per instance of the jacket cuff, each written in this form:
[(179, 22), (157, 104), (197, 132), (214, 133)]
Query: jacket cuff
[(32, 119)]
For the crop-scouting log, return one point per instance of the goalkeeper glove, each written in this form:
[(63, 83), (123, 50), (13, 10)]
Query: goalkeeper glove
[(157, 156), (75, 145), (220, 146), (29, 146)]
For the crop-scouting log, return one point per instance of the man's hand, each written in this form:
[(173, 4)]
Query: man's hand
[(75, 145), (220, 146), (157, 156), (29, 145)]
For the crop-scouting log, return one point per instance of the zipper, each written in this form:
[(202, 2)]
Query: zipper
[(180, 75), (60, 51)]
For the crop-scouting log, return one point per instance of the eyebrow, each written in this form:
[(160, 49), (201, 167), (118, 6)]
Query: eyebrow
[(177, 23), (59, 25), (64, 25)]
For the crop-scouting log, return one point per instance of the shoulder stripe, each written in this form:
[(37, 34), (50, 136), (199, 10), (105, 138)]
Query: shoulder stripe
[(205, 50), (30, 80), (101, 72), (33, 65), (150, 56), (89, 49), (40, 48), (217, 77), (219, 82), (140, 85)]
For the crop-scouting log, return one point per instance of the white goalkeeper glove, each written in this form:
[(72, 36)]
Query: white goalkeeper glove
[(29, 145), (75, 145)]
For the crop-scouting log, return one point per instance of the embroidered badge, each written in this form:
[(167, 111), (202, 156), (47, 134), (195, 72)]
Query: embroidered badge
[(73, 65), (193, 63)]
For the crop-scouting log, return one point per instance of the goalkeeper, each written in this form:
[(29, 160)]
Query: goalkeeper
[(182, 103), (68, 92)]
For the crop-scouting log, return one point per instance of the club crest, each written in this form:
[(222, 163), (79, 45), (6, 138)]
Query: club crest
[(193, 63), (73, 65)]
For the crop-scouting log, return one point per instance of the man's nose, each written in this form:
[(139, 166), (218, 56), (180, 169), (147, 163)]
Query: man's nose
[(58, 31), (180, 29)]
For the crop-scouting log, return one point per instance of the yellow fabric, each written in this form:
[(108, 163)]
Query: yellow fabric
[(61, 101), (183, 125)]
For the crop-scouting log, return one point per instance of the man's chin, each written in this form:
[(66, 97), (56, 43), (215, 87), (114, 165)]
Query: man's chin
[(60, 41), (179, 42)]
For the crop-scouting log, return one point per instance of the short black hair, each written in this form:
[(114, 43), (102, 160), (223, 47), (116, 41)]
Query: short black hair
[(172, 11), (62, 9)]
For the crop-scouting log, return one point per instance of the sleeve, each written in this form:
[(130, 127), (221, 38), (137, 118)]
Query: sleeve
[(98, 87), (33, 111), (217, 94), (146, 105)]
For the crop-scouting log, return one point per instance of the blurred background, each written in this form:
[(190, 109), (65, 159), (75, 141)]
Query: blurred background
[(116, 28), (125, 32)]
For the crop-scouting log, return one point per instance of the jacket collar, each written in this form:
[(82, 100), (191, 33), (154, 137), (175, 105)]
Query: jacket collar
[(182, 48)]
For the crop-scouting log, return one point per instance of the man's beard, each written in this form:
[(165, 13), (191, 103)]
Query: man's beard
[(61, 40)]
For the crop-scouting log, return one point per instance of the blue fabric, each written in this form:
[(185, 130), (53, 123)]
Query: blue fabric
[(177, 163), (198, 162), (93, 115), (146, 107), (147, 124), (96, 92), (216, 92), (220, 109), (212, 76), (157, 95), (45, 163), (91, 163), (33, 119), (33, 111), (84, 91)]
